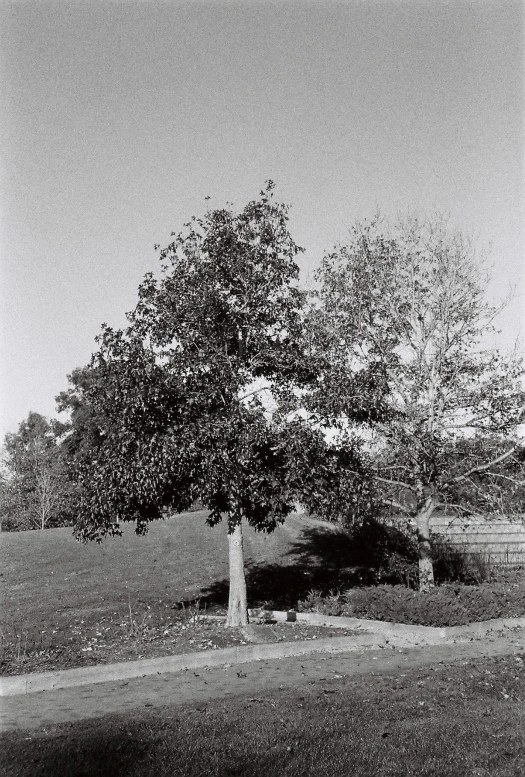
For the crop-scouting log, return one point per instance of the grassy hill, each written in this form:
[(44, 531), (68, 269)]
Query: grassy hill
[(49, 579), (66, 604)]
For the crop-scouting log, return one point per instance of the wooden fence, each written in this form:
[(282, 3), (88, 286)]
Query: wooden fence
[(500, 539)]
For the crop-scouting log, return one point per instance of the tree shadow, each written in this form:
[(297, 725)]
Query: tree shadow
[(91, 754), (325, 560)]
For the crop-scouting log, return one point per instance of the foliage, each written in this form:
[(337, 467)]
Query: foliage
[(496, 481), (454, 563), (166, 413), (364, 553), (387, 552), (190, 402), (374, 552), (401, 321), (35, 491), (332, 479), (445, 605)]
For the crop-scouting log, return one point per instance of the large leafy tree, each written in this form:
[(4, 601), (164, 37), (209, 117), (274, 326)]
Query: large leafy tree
[(35, 491), (401, 317), (175, 407)]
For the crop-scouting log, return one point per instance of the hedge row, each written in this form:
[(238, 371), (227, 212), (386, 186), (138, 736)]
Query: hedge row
[(446, 605)]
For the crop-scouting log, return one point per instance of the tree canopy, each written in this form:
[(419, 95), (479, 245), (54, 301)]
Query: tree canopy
[(175, 407), (35, 491), (401, 317)]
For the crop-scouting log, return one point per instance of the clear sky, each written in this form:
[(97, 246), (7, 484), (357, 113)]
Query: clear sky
[(117, 119)]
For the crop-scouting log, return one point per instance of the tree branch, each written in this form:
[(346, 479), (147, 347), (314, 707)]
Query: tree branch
[(397, 505), (483, 467), (506, 477), (256, 391), (396, 483)]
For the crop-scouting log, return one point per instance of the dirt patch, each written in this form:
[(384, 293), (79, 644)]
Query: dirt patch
[(115, 639)]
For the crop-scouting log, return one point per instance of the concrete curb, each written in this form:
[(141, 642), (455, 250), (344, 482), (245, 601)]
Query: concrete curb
[(375, 634), (103, 673), (340, 622), (484, 628), (470, 631)]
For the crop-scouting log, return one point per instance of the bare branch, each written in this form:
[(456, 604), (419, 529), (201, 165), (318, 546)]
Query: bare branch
[(506, 477), (256, 391), (396, 483), (483, 467), (397, 505)]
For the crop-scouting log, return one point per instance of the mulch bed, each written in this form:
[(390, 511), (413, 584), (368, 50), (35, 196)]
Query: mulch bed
[(116, 639)]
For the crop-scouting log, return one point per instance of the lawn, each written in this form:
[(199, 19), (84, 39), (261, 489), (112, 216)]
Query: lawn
[(64, 604), (49, 573), (465, 719)]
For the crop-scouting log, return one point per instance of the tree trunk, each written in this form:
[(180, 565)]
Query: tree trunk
[(426, 567), (237, 604)]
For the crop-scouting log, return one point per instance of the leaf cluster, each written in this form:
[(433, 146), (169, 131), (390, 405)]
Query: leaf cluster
[(35, 489), (172, 409), (401, 320)]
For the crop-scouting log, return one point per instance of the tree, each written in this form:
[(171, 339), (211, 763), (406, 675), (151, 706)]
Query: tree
[(401, 316), (35, 491), (171, 409)]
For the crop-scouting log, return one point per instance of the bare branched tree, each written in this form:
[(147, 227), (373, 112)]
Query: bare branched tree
[(401, 318)]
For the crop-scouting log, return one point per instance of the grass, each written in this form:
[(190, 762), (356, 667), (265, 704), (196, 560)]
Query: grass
[(45, 573), (458, 720), (49, 572), (65, 604)]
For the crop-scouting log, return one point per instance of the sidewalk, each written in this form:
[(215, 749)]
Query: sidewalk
[(368, 634), (254, 669)]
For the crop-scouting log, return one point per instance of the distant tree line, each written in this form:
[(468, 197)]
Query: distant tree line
[(376, 394)]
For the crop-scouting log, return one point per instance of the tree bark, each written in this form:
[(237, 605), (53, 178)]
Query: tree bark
[(426, 567), (237, 603)]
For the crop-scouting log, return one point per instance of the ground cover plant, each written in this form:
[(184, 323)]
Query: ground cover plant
[(465, 718), (380, 562), (445, 605)]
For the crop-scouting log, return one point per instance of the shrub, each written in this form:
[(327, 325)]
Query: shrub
[(447, 605), (387, 553), (453, 563), (375, 552), (327, 604)]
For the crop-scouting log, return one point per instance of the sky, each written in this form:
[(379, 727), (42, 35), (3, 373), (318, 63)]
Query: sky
[(118, 119)]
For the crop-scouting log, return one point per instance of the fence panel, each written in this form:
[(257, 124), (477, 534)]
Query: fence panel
[(502, 539)]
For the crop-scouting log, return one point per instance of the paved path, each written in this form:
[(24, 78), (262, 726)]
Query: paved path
[(46, 708)]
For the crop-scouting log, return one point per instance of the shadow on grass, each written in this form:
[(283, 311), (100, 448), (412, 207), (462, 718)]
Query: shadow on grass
[(102, 754), (116, 755), (321, 559)]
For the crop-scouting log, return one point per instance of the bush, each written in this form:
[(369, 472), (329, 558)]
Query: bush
[(384, 553), (447, 605), (374, 552), (453, 563)]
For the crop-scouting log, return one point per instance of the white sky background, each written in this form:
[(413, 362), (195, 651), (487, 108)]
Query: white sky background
[(119, 118)]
